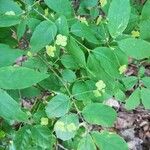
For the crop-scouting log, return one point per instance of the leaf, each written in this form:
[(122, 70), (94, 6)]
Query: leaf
[(68, 75), (86, 143), (52, 83), (76, 52), (146, 81), (8, 55), (144, 29), (100, 115), (62, 7), (103, 65), (83, 90), (66, 127), (90, 3), (30, 92), (145, 95), (84, 31), (136, 48), (62, 25), (19, 77), (129, 82), (118, 16), (58, 106), (42, 137), (9, 5), (10, 109), (146, 11), (68, 62), (40, 40), (22, 138), (109, 141), (133, 101), (21, 28), (7, 21)]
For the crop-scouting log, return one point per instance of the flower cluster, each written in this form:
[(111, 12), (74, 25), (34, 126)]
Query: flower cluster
[(135, 34), (65, 127), (122, 69), (61, 40), (103, 2), (44, 121), (10, 13), (50, 50), (82, 20), (100, 88)]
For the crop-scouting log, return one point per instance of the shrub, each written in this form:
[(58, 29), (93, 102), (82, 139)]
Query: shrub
[(60, 60)]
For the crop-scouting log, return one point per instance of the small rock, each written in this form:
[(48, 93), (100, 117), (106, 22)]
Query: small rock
[(128, 134), (112, 103)]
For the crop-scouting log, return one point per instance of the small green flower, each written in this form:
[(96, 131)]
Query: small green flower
[(71, 127), (10, 13), (99, 19), (100, 85), (29, 54), (50, 50), (60, 126), (44, 121), (97, 93), (122, 69), (46, 12), (82, 20), (135, 34), (61, 40), (103, 2)]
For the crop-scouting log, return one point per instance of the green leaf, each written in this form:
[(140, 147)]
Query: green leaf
[(62, 7), (109, 141), (86, 143), (146, 11), (9, 5), (21, 28), (84, 31), (144, 29), (136, 48), (19, 77), (8, 55), (22, 138), (76, 52), (52, 83), (62, 25), (83, 90), (35, 63), (7, 21), (58, 106), (90, 3), (10, 109), (129, 82), (40, 40), (100, 115), (30, 92), (66, 127), (69, 62), (146, 81), (145, 95), (68, 75), (42, 137), (118, 16), (103, 65), (133, 101)]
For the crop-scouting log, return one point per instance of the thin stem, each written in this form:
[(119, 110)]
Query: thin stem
[(90, 91), (70, 95), (81, 44), (41, 15), (61, 146)]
